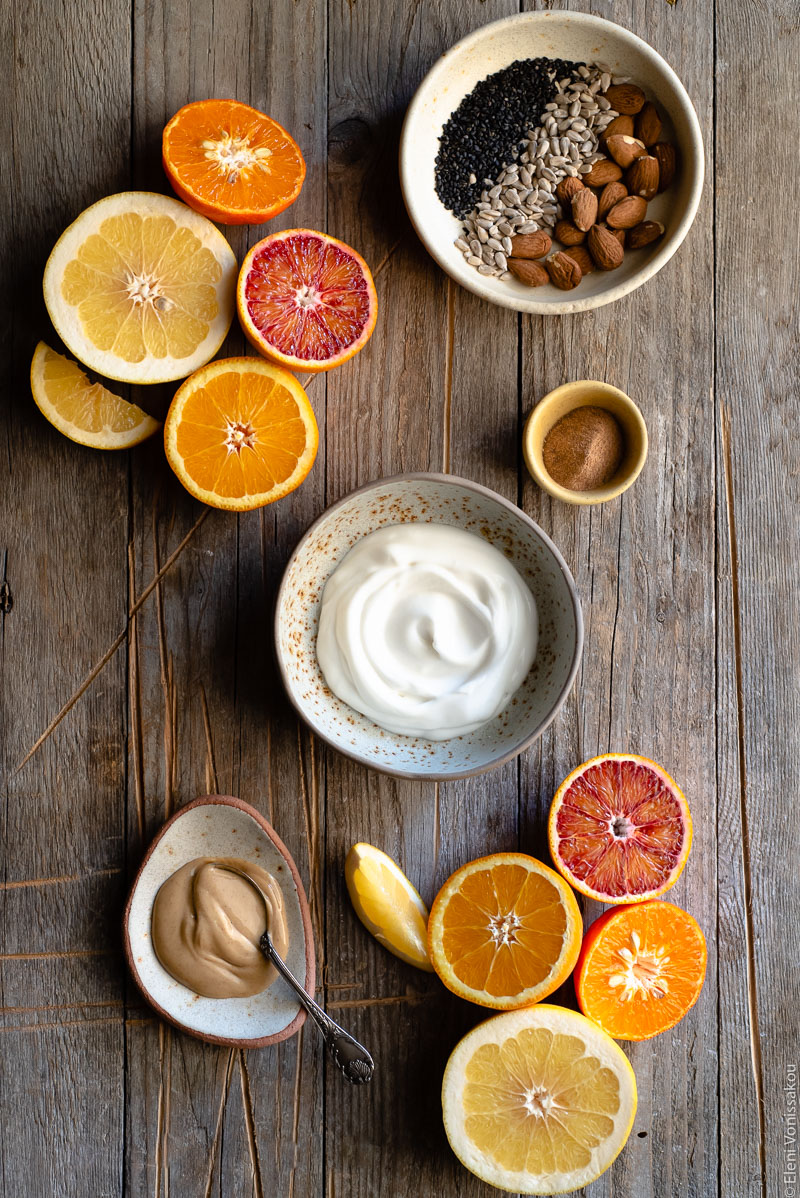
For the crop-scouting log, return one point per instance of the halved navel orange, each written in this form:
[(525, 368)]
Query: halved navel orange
[(231, 162), (240, 433), (504, 931), (641, 969)]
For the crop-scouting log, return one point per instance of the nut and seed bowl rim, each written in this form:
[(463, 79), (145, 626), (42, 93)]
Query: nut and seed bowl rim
[(532, 735), (417, 195)]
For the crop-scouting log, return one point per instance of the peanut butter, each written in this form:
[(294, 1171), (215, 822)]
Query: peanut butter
[(207, 924)]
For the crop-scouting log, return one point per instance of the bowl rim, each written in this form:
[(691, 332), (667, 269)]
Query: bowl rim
[(577, 613), (671, 243), (532, 445), (299, 1019)]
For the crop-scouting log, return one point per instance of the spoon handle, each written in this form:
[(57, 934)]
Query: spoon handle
[(352, 1058)]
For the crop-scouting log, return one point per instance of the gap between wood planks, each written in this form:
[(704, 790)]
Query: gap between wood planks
[(752, 995)]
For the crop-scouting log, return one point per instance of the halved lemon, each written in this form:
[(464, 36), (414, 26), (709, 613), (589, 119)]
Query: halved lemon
[(504, 931), (141, 288), (540, 1101), (387, 904), (85, 412), (241, 433)]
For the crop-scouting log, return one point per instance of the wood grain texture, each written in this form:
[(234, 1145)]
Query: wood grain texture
[(137, 659), (757, 385)]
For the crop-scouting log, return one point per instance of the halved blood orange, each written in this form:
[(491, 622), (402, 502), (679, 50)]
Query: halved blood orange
[(240, 433), (641, 969), (504, 931), (231, 162), (306, 300), (620, 829)]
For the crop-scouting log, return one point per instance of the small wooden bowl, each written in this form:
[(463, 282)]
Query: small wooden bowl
[(566, 399), (220, 826)]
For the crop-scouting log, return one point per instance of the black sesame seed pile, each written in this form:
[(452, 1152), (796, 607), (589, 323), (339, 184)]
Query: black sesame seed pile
[(484, 131)]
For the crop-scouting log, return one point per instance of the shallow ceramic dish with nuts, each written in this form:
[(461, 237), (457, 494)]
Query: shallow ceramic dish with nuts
[(220, 826), (433, 499), (579, 37)]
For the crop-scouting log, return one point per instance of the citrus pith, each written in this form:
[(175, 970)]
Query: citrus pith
[(641, 969), (241, 433), (306, 300), (85, 412), (539, 1101), (504, 931), (231, 162), (140, 288), (620, 829)]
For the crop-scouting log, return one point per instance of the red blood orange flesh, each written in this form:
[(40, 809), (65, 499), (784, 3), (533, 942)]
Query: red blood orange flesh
[(306, 300), (620, 829)]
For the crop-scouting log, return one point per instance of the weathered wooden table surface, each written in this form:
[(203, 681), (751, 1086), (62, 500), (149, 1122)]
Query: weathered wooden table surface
[(136, 653)]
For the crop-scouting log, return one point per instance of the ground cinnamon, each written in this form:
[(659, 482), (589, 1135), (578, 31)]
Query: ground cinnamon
[(584, 449)]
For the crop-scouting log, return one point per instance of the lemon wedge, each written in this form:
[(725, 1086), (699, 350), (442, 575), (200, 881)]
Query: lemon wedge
[(85, 412), (387, 904), (538, 1101)]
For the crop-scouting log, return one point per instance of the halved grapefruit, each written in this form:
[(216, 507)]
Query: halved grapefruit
[(620, 829), (306, 300)]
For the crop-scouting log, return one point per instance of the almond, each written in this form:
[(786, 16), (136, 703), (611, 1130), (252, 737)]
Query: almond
[(564, 271), (531, 273), (643, 177), (620, 124), (531, 245), (627, 213), (648, 124), (584, 209), (645, 234), (619, 234), (626, 98), (603, 171), (624, 149), (604, 248), (567, 189), (568, 234), (611, 194), (667, 159), (580, 254)]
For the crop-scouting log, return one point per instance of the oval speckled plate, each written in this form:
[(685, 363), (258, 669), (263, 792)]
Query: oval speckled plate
[(432, 499), (220, 826)]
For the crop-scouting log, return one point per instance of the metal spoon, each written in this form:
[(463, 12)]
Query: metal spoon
[(352, 1058)]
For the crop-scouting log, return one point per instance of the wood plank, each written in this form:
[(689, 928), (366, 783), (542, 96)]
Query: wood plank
[(63, 532), (759, 532), (205, 712), (644, 566)]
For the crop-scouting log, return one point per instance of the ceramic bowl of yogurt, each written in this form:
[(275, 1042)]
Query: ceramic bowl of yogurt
[(448, 624)]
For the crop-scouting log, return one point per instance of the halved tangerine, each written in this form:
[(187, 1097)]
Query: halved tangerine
[(240, 433), (231, 162), (504, 931), (306, 300), (641, 969), (620, 829)]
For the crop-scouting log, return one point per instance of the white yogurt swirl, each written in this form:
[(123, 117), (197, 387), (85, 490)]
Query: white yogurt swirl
[(427, 630)]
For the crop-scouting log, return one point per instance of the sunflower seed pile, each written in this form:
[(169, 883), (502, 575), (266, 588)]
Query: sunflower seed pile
[(522, 197)]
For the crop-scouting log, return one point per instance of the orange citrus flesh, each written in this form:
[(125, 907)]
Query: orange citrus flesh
[(641, 969), (306, 300), (504, 931), (231, 162), (620, 829), (240, 433)]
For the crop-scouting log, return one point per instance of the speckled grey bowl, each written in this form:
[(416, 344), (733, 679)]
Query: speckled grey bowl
[(432, 499)]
